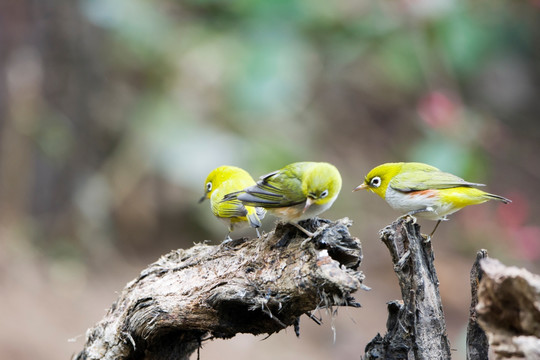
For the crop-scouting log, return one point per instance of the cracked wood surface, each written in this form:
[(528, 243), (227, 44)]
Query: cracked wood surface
[(257, 286), (476, 340), (415, 327), (509, 310)]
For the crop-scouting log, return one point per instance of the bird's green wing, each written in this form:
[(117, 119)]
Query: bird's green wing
[(278, 189), (427, 179), (229, 208)]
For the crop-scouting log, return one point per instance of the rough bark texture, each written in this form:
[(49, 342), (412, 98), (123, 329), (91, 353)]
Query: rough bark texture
[(477, 342), (509, 310), (259, 286), (415, 325)]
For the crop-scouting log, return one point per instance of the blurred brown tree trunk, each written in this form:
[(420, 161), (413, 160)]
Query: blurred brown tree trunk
[(52, 134)]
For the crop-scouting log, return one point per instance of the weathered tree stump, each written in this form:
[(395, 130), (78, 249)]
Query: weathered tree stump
[(509, 310), (477, 342), (415, 327), (258, 286)]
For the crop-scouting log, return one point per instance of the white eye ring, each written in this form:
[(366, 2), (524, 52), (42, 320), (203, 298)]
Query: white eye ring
[(375, 182), (208, 186), (323, 194)]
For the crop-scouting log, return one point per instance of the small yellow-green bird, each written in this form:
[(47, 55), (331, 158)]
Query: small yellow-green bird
[(225, 180), (296, 192), (423, 190)]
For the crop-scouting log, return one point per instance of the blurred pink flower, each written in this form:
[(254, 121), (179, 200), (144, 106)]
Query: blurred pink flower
[(535, 3), (527, 242), (524, 240), (515, 214), (438, 110)]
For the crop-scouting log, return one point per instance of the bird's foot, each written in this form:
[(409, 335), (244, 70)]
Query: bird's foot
[(408, 215), (312, 235), (418, 211), (308, 233), (230, 242)]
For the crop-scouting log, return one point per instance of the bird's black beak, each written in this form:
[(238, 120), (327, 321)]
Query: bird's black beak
[(202, 199)]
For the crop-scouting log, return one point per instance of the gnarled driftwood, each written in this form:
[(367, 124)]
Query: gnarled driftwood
[(257, 286), (509, 310)]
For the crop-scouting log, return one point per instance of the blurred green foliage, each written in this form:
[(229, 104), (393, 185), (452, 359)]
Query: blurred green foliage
[(123, 107)]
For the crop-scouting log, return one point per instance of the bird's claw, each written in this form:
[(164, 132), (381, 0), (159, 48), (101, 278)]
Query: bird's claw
[(314, 234)]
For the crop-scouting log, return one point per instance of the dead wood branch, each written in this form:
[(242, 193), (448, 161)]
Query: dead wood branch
[(509, 310), (415, 325), (257, 286), (477, 342)]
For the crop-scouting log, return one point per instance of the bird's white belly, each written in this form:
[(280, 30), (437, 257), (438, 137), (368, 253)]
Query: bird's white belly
[(419, 200)]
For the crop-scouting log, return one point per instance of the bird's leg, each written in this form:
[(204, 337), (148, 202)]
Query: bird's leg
[(228, 238), (309, 234), (258, 234), (426, 209), (435, 228)]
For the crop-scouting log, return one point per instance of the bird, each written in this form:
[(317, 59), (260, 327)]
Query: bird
[(414, 188), (298, 191), (222, 181)]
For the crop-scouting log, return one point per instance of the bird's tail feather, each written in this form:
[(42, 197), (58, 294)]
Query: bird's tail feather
[(498, 198), (231, 196)]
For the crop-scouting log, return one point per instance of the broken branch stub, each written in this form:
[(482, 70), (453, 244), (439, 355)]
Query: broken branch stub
[(415, 327), (476, 340), (257, 286), (509, 310)]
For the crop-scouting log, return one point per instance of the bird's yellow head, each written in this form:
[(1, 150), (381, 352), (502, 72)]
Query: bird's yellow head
[(321, 184), (378, 178), (219, 175)]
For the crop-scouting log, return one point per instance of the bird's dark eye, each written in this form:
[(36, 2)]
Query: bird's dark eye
[(208, 186), (375, 182), (324, 194)]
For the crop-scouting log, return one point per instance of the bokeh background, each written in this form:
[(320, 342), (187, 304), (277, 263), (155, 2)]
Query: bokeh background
[(113, 112)]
